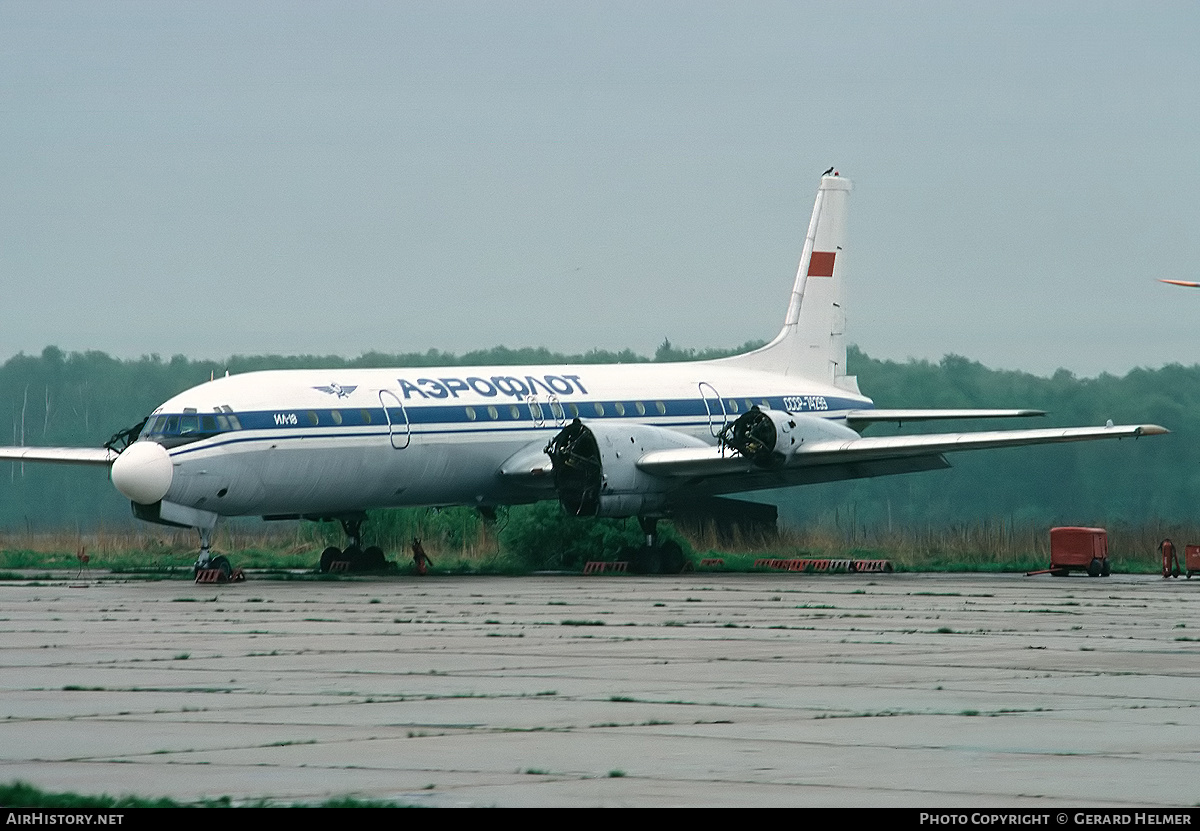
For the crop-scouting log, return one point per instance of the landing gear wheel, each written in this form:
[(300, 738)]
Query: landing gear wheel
[(628, 554), (671, 558), (222, 563), (355, 555), (1094, 567), (373, 559), (1106, 568), (648, 560), (328, 557)]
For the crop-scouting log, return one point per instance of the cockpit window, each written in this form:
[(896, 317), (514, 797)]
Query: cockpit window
[(191, 426)]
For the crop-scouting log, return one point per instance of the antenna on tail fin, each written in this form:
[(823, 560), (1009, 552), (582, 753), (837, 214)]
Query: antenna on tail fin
[(812, 342)]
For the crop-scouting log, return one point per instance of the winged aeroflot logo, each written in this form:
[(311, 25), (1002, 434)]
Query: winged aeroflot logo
[(337, 389)]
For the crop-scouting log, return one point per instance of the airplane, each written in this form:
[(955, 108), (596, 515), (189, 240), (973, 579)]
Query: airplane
[(628, 440), (1185, 283)]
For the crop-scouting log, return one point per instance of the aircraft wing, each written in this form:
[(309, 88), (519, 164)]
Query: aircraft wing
[(715, 461), (61, 455), (856, 418)]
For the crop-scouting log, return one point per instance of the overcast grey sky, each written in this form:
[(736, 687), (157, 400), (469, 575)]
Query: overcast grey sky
[(217, 178)]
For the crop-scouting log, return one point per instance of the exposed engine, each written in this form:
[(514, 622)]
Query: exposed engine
[(596, 472), (770, 437)]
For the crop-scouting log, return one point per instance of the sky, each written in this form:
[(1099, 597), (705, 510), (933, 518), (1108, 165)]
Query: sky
[(222, 178)]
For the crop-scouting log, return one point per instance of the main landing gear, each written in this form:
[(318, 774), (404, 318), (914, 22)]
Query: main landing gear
[(353, 557), (653, 558)]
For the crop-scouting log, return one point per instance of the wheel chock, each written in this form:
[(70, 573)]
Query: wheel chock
[(601, 566), (216, 575), (852, 566), (884, 566)]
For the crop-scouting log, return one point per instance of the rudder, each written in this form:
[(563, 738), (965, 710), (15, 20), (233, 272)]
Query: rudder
[(812, 342)]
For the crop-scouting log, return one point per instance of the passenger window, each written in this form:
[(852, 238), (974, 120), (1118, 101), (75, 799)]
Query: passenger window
[(336, 416), (470, 413), (574, 410), (514, 411), (493, 414), (599, 408), (733, 407), (620, 408), (312, 418), (366, 416), (661, 407), (640, 407)]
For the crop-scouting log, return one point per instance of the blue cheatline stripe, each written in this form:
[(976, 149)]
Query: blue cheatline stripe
[(280, 424), (457, 413), (493, 428)]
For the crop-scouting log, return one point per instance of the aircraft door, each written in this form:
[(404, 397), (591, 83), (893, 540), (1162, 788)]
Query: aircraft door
[(399, 428), (536, 411), (557, 411), (715, 407)]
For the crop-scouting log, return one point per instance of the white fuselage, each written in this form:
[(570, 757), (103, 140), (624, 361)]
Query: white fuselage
[(334, 443), (297, 442)]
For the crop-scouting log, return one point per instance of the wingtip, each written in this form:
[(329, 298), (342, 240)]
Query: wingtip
[(1152, 430)]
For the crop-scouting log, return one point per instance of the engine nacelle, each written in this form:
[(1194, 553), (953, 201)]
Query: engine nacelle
[(769, 437), (596, 473)]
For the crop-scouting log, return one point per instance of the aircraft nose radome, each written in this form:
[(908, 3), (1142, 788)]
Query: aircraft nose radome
[(143, 472)]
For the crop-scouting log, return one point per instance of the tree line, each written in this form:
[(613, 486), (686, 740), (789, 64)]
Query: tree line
[(81, 399)]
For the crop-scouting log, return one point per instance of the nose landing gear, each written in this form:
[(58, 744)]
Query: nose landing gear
[(210, 569)]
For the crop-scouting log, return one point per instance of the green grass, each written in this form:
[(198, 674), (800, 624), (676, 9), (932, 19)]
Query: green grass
[(295, 558), (19, 794)]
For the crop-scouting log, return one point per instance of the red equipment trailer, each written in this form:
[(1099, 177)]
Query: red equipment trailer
[(1078, 549), (1191, 560)]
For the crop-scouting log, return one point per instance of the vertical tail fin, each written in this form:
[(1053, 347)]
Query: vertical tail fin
[(812, 342)]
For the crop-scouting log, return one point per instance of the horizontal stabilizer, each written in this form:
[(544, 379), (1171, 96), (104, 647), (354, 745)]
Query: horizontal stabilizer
[(864, 417), (713, 461), (60, 455)]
